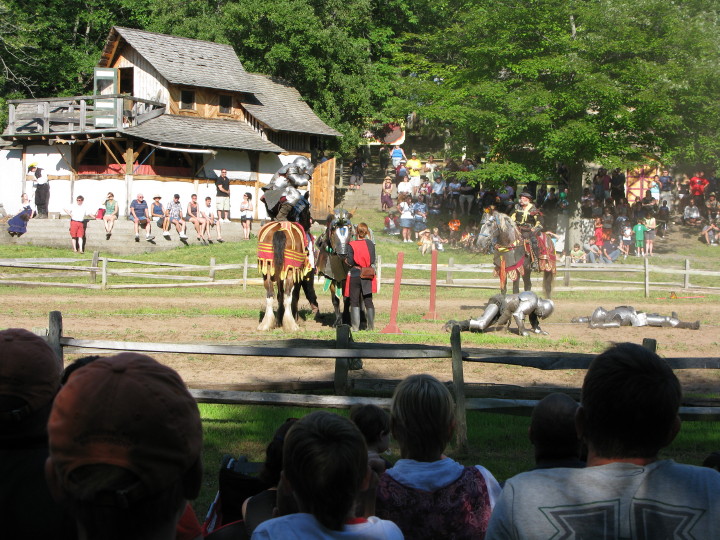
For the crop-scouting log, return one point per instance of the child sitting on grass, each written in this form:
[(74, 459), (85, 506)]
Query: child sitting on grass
[(426, 493), (577, 255), (325, 466)]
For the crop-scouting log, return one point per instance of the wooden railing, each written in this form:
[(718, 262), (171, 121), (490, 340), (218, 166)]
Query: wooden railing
[(79, 114)]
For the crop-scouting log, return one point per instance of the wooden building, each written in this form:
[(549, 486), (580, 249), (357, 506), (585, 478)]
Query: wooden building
[(166, 115)]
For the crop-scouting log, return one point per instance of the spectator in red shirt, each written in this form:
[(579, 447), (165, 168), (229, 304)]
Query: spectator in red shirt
[(698, 184)]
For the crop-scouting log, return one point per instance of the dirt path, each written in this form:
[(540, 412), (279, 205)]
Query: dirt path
[(82, 319)]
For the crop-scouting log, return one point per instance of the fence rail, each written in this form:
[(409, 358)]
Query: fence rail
[(346, 352), (107, 267)]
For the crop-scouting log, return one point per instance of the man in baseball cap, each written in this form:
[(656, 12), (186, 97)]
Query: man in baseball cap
[(125, 448), (29, 380)]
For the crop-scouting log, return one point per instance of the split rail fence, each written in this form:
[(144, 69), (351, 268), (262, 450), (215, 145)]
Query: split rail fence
[(103, 270), (348, 354)]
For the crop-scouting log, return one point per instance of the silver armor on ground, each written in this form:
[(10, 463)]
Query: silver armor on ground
[(502, 310), (281, 193), (629, 316)]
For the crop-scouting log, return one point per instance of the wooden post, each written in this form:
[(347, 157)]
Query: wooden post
[(650, 344), (93, 273), (432, 313), (342, 341), (378, 271), (647, 277), (459, 385), (245, 268), (392, 327), (103, 278), (686, 283), (55, 331), (449, 275), (566, 279), (212, 268)]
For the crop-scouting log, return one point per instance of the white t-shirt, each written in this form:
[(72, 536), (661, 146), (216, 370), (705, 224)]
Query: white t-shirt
[(77, 212), (208, 211), (405, 211), (306, 527), (404, 187)]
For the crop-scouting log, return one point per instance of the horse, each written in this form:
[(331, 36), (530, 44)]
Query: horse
[(331, 263), (283, 260), (500, 235)]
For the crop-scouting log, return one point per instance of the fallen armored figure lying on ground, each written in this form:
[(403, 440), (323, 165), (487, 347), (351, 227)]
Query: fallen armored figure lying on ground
[(628, 316)]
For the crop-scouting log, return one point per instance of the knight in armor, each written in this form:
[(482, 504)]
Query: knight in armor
[(282, 198), (502, 310), (528, 219), (628, 316)]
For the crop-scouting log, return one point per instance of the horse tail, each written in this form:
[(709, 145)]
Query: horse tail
[(279, 242)]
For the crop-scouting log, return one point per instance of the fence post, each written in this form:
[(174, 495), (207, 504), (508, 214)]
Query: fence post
[(212, 268), (93, 274), (650, 344), (459, 384), (55, 331), (449, 275), (378, 271), (686, 284), (647, 277), (103, 274), (343, 337), (392, 326), (566, 279), (245, 266)]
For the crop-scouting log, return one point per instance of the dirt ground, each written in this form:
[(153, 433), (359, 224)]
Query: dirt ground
[(81, 319)]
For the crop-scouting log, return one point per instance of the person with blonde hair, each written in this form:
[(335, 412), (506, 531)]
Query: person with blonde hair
[(426, 493)]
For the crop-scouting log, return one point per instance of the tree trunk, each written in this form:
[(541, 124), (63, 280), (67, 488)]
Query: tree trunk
[(576, 225)]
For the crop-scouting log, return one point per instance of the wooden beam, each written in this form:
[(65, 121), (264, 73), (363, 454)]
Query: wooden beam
[(112, 154), (84, 151)]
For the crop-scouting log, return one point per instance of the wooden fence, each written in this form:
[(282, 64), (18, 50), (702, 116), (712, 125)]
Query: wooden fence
[(587, 276), (348, 354)]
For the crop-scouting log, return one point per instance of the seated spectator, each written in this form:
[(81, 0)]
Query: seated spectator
[(426, 243), (404, 187), (426, 493), (208, 214), (691, 214), (392, 225), (17, 225), (611, 251), (710, 232), (438, 190), (174, 216), (325, 467), (577, 255), (374, 424), (157, 212), (140, 216), (125, 448), (261, 507), (552, 433), (112, 211), (29, 380), (193, 216), (592, 251), (628, 412), (454, 226), (712, 206)]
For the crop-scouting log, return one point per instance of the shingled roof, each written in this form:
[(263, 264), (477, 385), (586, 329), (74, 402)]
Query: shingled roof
[(183, 60), (203, 132), (280, 107)]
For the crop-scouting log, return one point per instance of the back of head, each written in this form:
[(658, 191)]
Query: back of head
[(361, 230), (630, 401), (422, 417), (272, 467), (125, 446), (552, 428), (29, 379), (325, 461), (371, 420)]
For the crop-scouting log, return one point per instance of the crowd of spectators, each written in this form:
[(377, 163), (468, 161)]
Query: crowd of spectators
[(418, 197), (111, 448)]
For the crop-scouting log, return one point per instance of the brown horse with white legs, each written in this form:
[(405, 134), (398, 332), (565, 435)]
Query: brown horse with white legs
[(282, 260), (500, 235)]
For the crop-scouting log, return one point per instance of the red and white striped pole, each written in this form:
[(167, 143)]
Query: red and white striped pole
[(432, 314)]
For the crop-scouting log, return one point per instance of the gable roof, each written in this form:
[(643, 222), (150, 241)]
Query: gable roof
[(182, 60), (203, 132), (280, 106)]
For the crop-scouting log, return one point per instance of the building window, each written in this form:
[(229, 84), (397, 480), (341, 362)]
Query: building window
[(225, 104), (187, 100)]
